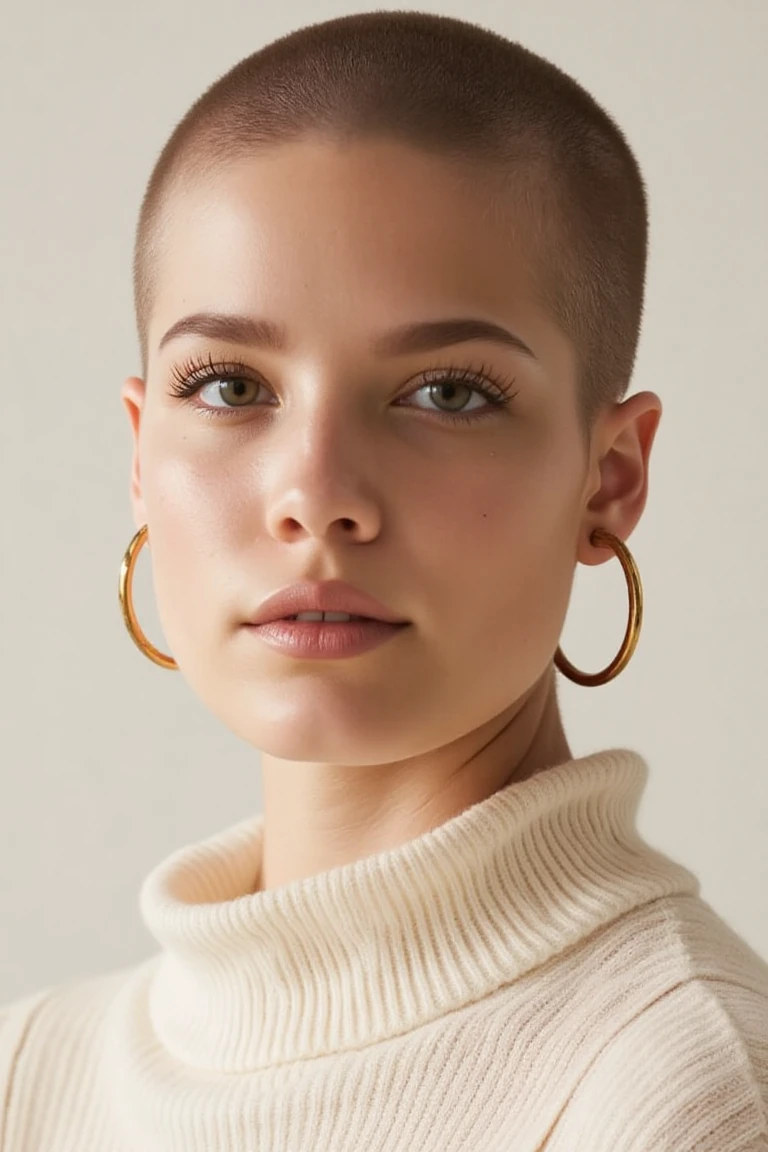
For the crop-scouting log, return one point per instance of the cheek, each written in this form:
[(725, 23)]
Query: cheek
[(192, 506), (491, 557)]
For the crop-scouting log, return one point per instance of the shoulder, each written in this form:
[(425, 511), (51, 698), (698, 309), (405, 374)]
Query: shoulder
[(70, 1008), (50, 1029), (16, 1017), (688, 1074), (685, 1067)]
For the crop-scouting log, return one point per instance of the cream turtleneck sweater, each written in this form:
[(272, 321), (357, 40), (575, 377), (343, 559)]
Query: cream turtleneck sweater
[(530, 976)]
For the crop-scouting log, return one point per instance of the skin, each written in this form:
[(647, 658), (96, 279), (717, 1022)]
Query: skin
[(343, 464)]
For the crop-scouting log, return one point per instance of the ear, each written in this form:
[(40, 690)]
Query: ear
[(132, 395), (623, 440)]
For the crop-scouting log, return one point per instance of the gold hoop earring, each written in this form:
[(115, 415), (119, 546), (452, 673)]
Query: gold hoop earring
[(601, 536), (598, 537), (126, 603)]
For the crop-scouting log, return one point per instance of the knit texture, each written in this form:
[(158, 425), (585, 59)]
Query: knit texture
[(530, 976)]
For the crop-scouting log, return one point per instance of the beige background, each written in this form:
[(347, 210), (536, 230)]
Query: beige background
[(108, 763)]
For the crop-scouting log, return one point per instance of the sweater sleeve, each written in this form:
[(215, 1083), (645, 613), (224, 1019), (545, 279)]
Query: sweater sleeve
[(15, 1019), (688, 1074)]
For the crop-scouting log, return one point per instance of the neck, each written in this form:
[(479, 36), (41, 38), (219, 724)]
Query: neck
[(319, 816)]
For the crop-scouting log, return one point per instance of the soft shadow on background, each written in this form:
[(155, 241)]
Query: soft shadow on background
[(107, 762)]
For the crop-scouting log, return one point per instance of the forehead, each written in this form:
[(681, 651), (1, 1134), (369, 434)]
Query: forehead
[(333, 236)]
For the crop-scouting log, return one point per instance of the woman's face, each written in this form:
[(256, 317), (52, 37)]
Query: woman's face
[(333, 458)]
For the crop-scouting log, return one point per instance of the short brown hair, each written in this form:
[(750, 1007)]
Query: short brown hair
[(465, 93)]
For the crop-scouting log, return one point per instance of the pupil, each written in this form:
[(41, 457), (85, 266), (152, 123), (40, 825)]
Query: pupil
[(235, 386), (449, 390)]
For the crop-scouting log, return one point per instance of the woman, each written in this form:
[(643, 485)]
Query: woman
[(389, 280)]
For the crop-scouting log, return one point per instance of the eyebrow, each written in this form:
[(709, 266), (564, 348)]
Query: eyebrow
[(419, 336)]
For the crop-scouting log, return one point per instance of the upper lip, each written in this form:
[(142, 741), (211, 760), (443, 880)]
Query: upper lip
[(325, 596)]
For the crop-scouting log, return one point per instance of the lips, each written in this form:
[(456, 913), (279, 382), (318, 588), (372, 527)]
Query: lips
[(327, 596)]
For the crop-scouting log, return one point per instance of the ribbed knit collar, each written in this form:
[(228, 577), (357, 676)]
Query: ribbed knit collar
[(367, 950)]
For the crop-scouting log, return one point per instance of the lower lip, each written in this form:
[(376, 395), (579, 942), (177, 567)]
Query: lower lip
[(321, 640)]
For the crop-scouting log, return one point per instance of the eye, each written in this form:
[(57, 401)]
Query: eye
[(455, 385), (226, 387), (234, 391)]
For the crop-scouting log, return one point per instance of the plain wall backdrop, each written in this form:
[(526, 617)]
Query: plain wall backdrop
[(107, 762)]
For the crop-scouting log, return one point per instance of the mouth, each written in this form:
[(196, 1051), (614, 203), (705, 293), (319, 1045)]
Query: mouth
[(330, 622), (331, 618), (329, 601), (326, 639)]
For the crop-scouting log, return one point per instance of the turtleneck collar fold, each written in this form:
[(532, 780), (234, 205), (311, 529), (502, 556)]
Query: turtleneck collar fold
[(250, 979)]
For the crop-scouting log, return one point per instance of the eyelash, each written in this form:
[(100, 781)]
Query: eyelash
[(196, 372)]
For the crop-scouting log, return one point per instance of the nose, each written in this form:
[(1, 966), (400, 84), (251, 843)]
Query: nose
[(326, 491)]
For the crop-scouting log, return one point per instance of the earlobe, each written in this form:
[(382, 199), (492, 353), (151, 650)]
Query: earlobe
[(132, 395)]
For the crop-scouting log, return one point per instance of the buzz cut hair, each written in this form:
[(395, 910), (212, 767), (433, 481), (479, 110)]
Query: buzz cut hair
[(467, 94)]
